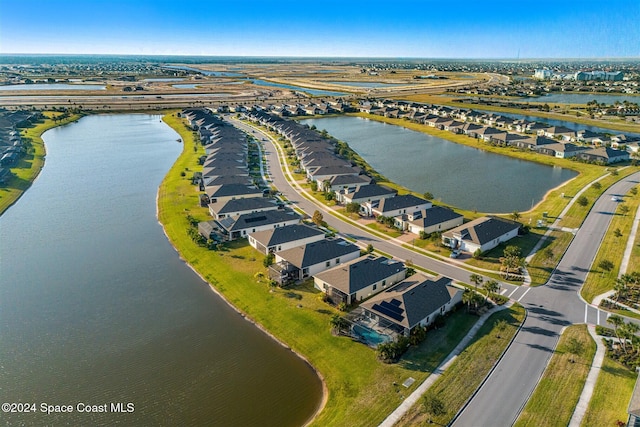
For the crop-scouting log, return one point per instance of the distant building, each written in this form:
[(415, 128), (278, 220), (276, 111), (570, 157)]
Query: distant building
[(543, 74)]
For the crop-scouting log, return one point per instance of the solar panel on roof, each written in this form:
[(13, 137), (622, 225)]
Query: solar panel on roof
[(387, 312), (391, 307), (395, 302)]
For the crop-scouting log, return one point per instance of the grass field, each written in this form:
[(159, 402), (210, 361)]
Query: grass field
[(29, 166), (562, 377), (361, 390), (612, 248), (464, 376)]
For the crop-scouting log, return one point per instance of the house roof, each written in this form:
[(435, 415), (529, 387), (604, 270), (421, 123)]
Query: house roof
[(257, 219), (318, 252), (367, 191), (606, 153), (412, 300), (246, 204), (399, 202), (288, 233), (356, 275), (434, 215), (484, 229), (336, 170), (226, 190), (350, 179)]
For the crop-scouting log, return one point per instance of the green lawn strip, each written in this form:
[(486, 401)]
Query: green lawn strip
[(611, 396), (383, 229), (490, 260), (541, 266), (599, 281), (576, 214), (466, 373), (361, 389), (561, 378), (30, 165)]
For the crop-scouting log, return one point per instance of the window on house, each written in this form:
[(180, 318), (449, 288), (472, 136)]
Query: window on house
[(328, 264), (374, 287), (337, 261), (384, 283)]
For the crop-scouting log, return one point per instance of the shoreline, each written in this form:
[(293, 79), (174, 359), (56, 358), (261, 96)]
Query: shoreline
[(325, 389)]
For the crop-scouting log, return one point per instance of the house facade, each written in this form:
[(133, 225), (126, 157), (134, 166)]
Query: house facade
[(283, 238), (482, 234)]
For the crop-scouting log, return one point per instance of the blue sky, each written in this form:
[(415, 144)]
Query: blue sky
[(425, 29)]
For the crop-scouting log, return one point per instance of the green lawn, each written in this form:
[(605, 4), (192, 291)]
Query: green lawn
[(464, 376), (361, 389), (562, 377), (612, 249), (611, 396), (29, 166)]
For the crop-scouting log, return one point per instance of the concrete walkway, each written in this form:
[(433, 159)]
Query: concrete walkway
[(624, 265), (592, 377), (422, 388)]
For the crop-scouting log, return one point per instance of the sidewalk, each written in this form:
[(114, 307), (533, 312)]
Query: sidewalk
[(624, 265), (422, 388), (590, 383)]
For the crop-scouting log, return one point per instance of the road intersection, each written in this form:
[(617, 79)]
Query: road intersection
[(550, 308)]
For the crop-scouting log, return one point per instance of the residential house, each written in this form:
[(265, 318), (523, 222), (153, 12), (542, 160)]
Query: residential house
[(604, 155), (415, 301), (347, 183), (304, 261), (433, 220), (283, 238), (225, 192), (360, 278), (558, 132), (220, 210), (561, 150), (366, 193), (482, 234), (234, 227), (394, 206)]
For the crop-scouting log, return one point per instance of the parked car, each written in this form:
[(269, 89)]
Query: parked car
[(454, 254)]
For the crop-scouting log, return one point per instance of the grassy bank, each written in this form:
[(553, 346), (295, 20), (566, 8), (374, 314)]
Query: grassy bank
[(562, 377), (464, 376), (611, 395), (613, 245), (30, 165), (361, 390)]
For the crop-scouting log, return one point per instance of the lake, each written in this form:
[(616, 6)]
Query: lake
[(582, 98), (53, 86), (317, 92), (458, 175), (97, 307), (369, 84)]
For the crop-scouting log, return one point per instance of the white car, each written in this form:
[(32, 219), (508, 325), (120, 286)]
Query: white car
[(616, 199)]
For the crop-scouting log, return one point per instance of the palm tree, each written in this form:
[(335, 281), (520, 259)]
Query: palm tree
[(477, 279), (491, 286), (616, 321), (515, 215), (628, 331), (339, 324)]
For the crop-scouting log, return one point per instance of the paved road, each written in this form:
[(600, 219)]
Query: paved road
[(550, 308)]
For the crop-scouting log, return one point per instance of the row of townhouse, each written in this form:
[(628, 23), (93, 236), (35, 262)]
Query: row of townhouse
[(336, 106), (238, 206), (11, 144), (558, 141)]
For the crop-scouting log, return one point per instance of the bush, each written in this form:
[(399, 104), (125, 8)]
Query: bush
[(391, 352)]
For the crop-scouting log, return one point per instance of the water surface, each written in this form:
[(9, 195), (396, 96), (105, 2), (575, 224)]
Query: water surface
[(97, 307), (459, 175), (53, 86)]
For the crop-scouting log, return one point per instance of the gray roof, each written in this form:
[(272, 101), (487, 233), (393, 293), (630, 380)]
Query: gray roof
[(434, 215), (371, 191), (318, 252), (400, 202), (412, 300), (285, 234), (484, 229), (256, 219), (226, 190), (249, 203), (360, 273), (350, 179)]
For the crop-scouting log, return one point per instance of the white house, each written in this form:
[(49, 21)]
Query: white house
[(395, 206), (484, 233), (360, 278), (432, 220), (283, 238), (235, 207), (304, 261), (234, 227), (415, 301)]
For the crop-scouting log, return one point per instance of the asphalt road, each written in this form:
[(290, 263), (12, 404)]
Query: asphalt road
[(550, 308)]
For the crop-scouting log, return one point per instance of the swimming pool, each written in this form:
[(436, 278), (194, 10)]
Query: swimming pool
[(369, 336)]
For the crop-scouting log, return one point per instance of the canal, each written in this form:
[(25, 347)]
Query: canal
[(96, 306)]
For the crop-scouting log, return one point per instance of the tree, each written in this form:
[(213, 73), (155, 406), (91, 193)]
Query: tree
[(476, 279), (339, 324), (582, 201), (433, 405), (628, 331), (317, 218), (617, 232), (491, 286), (634, 191), (369, 248), (605, 265), (617, 322), (500, 326), (268, 260), (596, 186), (515, 215), (575, 347), (352, 207), (624, 210), (548, 254), (428, 196)]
